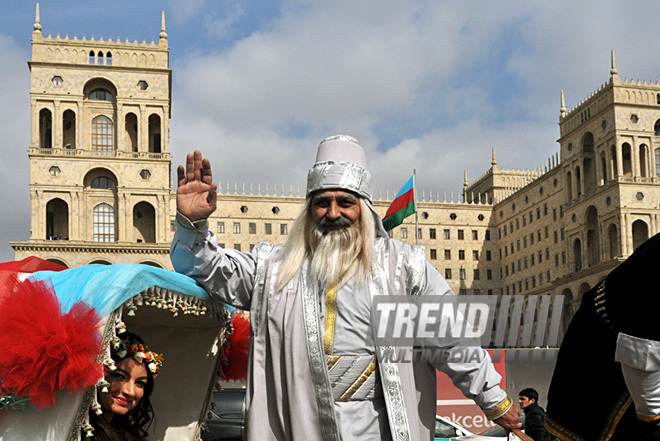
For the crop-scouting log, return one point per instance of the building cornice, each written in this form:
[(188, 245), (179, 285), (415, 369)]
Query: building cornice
[(64, 246)]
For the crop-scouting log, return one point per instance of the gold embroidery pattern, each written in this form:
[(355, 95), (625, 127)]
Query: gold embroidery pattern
[(600, 305), (330, 319), (500, 409), (616, 414), (620, 408), (648, 419), (357, 384), (331, 361)]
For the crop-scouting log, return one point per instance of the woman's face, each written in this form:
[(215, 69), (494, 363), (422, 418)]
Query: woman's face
[(127, 384)]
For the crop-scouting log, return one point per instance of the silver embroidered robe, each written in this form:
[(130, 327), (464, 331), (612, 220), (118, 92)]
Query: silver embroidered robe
[(289, 395)]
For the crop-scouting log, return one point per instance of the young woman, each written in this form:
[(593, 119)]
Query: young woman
[(124, 398)]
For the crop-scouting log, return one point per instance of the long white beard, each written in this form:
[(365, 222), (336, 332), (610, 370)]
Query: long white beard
[(335, 254)]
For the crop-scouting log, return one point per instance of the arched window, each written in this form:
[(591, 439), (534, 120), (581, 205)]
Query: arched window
[(593, 237), (100, 58), (92, 57), (57, 220), (102, 139), (577, 254), (45, 129), (154, 133), (640, 233), (101, 95), (613, 237), (656, 127), (108, 59), (589, 164), (626, 154), (69, 129), (144, 223), (104, 183), (104, 223), (132, 130)]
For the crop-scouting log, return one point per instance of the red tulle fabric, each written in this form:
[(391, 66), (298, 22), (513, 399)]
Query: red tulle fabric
[(237, 348), (42, 350), (9, 271)]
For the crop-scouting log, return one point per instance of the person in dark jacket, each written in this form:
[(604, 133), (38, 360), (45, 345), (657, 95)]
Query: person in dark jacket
[(534, 424)]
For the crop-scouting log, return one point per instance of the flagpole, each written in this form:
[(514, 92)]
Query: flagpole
[(415, 199)]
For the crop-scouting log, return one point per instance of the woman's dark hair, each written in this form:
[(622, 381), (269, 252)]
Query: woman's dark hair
[(132, 426)]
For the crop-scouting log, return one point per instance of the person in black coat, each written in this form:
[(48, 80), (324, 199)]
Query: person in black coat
[(534, 415)]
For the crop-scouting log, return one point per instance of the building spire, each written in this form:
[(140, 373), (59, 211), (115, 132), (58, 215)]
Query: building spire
[(493, 161), (163, 34), (465, 181), (37, 23), (562, 111), (613, 70)]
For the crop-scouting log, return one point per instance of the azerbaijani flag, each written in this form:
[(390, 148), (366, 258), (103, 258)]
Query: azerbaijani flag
[(402, 206)]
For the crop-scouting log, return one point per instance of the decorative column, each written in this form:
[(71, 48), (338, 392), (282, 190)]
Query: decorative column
[(37, 231), (634, 156), (56, 126), (162, 219), (584, 250), (619, 160), (625, 247), (650, 159), (143, 130), (601, 243), (582, 178), (165, 130), (654, 169), (598, 167), (34, 142), (79, 127), (121, 128), (123, 218)]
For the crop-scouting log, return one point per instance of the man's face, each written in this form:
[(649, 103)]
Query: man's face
[(523, 401), (335, 209)]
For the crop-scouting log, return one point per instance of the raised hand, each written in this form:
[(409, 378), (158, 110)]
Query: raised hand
[(510, 420), (196, 195)]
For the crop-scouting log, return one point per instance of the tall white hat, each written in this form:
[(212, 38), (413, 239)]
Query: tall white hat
[(340, 164)]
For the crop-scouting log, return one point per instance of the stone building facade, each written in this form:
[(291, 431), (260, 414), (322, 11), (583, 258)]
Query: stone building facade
[(99, 153), (101, 193)]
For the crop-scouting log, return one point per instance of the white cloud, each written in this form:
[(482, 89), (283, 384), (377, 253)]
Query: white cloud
[(184, 10), (261, 107), (218, 28), (441, 156)]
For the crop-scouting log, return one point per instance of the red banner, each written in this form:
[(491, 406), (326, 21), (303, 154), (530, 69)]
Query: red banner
[(453, 405)]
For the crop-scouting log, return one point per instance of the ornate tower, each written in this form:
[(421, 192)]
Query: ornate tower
[(99, 153)]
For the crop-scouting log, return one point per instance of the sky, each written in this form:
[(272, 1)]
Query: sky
[(425, 85)]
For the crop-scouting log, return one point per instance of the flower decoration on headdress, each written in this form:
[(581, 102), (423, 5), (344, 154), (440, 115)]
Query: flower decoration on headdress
[(140, 353)]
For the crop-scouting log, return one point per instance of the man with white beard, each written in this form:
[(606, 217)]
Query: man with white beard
[(313, 373)]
